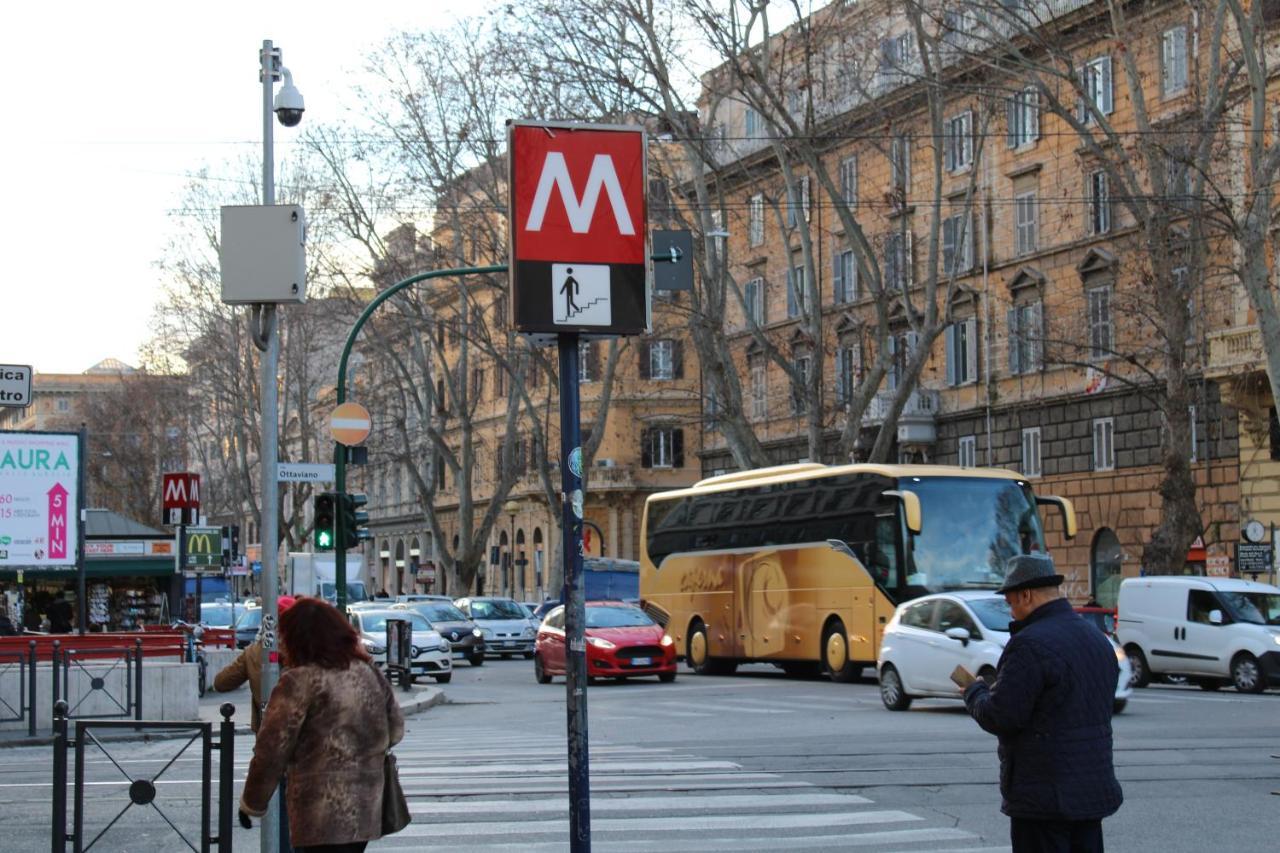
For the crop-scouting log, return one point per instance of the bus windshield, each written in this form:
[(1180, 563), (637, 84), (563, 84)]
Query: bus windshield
[(971, 526)]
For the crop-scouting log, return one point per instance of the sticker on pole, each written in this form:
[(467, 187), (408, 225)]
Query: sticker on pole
[(350, 424), (579, 240)]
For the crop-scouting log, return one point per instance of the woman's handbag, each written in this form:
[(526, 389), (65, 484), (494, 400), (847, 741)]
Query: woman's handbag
[(395, 809)]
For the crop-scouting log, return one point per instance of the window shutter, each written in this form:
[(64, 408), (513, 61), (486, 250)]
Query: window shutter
[(913, 344), (966, 261), (971, 345), (893, 363), (1107, 98), (841, 397), (792, 306), (646, 450), (908, 261), (677, 448), (1011, 109), (1015, 366), (677, 359), (1036, 328), (837, 276), (645, 364), (1033, 113), (951, 354)]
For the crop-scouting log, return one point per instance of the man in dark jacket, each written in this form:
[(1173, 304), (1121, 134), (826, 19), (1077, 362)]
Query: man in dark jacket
[(1050, 706)]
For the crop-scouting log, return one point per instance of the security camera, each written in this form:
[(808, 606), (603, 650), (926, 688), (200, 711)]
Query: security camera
[(289, 104)]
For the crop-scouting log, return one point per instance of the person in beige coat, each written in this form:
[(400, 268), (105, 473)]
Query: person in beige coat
[(248, 667), (328, 725)]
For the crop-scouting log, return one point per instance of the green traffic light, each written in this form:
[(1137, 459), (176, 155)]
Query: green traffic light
[(323, 539)]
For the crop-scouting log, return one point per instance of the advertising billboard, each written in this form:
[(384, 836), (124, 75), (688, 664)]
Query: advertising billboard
[(39, 499)]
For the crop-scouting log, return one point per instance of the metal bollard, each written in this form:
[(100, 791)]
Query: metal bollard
[(57, 647), (59, 777), (226, 775), (31, 690), (137, 679)]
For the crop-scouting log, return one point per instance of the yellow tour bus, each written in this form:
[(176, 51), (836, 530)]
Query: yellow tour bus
[(802, 565)]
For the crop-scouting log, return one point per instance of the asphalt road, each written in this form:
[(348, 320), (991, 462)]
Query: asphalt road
[(755, 761)]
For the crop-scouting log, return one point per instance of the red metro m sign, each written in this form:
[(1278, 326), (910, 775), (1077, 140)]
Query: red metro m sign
[(579, 233)]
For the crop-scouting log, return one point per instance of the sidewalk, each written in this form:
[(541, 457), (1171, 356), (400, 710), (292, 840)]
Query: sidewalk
[(413, 701)]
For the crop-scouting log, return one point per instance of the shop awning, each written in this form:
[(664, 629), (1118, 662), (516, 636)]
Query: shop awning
[(114, 568)]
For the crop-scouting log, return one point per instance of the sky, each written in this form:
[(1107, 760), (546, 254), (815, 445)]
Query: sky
[(109, 107)]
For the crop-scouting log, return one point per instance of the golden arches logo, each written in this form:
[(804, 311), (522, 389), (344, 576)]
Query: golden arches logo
[(199, 543)]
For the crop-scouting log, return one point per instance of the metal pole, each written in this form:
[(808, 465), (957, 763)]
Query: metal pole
[(226, 775), (31, 710), (82, 605), (571, 500), (269, 535), (59, 805)]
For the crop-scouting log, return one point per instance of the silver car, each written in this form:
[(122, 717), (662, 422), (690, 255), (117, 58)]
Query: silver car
[(432, 654), (507, 627)]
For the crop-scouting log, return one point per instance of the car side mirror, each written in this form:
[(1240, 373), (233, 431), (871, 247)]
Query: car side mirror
[(961, 634), (1215, 617)]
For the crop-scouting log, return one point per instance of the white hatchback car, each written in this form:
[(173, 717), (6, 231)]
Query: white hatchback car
[(432, 653), (928, 637)]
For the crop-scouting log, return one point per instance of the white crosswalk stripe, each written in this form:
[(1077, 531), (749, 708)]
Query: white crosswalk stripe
[(508, 793)]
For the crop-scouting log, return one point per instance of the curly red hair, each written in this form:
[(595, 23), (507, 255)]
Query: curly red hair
[(314, 632)]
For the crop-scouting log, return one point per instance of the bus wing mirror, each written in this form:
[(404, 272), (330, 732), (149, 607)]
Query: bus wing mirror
[(910, 507), (1066, 508)]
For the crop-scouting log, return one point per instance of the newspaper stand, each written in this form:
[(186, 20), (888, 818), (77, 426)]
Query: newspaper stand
[(400, 651)]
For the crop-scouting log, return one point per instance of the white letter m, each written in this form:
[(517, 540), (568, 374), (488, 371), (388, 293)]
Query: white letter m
[(556, 172)]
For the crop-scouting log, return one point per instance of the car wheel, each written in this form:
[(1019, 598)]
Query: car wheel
[(892, 693), (1138, 661), (1208, 684), (443, 679), (699, 657), (528, 655), (1174, 679), (476, 660), (1246, 675), (1118, 706), (835, 654), (666, 677), (538, 671), (988, 674)]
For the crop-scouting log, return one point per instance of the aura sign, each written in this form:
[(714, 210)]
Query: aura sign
[(579, 247), (39, 493)]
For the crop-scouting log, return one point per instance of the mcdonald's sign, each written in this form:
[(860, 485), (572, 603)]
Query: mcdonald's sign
[(204, 546)]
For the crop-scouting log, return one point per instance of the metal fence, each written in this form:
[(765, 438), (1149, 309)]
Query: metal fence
[(142, 790), (126, 697), (20, 667)]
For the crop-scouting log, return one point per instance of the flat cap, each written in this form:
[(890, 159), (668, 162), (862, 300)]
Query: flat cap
[(1027, 571)]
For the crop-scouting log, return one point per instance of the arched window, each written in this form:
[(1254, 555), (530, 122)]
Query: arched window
[(1104, 567)]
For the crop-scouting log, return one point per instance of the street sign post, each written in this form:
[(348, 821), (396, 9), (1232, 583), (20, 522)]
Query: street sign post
[(579, 266), (350, 423), (15, 385), (305, 472)]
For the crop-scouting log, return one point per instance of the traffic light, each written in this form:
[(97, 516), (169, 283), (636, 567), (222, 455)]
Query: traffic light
[(354, 520), (325, 514)]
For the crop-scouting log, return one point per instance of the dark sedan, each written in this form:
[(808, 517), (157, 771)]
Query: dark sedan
[(247, 625), (467, 639)]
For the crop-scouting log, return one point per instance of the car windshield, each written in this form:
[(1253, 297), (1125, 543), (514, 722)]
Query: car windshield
[(971, 526), (498, 609), (1260, 608), (376, 623), (993, 613), (250, 619), (616, 617), (216, 615), (438, 611), (355, 592)]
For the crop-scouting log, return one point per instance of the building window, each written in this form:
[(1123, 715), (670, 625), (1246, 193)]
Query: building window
[(968, 451), (1024, 117), (849, 181), (900, 166), (1100, 326), (895, 53), (586, 362), (662, 360), (63, 404), (797, 291), (959, 141), (1195, 438), (477, 383), (897, 260), (1099, 199), (755, 220), (902, 348), (848, 372), (752, 123), (1025, 222), (1095, 81), (800, 391), (759, 389), (962, 352), (753, 295), (845, 277), (798, 202), (1031, 452), (1026, 333), (662, 447), (1173, 61), (1104, 449), (957, 244)]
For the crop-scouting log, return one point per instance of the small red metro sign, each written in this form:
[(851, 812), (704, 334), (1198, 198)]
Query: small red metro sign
[(579, 232)]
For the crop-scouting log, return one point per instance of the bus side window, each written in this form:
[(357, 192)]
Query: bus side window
[(884, 551)]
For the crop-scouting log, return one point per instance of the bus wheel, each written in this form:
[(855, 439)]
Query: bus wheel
[(835, 654), (699, 654)]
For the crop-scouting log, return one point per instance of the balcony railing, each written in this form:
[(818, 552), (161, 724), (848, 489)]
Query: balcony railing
[(917, 424), (1235, 351)]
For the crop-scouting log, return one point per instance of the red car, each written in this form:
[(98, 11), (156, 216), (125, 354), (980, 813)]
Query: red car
[(622, 641)]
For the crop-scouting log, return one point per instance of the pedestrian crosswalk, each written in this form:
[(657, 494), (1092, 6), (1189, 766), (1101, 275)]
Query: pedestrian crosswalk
[(502, 791)]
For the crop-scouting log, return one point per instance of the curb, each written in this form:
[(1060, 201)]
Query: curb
[(426, 698)]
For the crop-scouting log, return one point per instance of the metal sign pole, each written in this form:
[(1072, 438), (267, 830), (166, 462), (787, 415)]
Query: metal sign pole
[(575, 607)]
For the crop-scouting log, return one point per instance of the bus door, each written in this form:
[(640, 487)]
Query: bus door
[(761, 599), (886, 569)]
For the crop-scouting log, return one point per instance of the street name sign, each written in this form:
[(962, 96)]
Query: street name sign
[(579, 239), (305, 472), (350, 423), (204, 546), (15, 385), (39, 495)]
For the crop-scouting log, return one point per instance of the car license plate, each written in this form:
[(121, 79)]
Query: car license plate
[(641, 661)]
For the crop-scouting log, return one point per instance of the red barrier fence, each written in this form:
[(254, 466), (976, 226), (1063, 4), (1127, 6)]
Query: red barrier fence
[(154, 645)]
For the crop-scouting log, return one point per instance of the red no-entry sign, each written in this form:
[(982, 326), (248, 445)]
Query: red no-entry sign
[(579, 237)]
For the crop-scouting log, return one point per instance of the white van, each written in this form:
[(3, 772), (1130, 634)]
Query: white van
[(1211, 630)]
